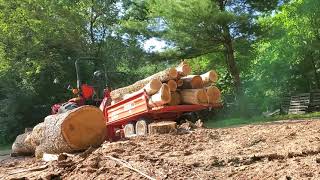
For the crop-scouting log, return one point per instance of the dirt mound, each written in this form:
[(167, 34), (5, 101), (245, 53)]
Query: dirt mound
[(285, 150)]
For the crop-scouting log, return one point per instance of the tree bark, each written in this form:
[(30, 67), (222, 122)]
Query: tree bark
[(194, 96), (229, 53), (73, 130)]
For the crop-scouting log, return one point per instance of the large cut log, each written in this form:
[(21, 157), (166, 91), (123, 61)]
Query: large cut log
[(162, 76), (172, 85), (162, 127), (73, 130), (192, 82), (163, 96), (214, 94), (22, 148), (194, 96), (175, 99), (209, 77), (183, 69)]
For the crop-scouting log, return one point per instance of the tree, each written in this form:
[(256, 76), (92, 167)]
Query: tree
[(193, 28)]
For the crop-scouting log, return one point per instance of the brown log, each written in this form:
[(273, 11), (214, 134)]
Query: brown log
[(175, 99), (20, 147), (214, 94), (73, 130), (183, 69), (162, 76), (172, 85), (151, 88), (163, 96), (209, 77), (192, 82), (179, 82), (162, 127), (194, 96)]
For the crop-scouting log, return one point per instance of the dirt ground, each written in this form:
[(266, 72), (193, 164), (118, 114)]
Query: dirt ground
[(282, 150)]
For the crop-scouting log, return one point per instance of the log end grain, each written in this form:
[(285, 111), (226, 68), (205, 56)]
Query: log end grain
[(84, 127)]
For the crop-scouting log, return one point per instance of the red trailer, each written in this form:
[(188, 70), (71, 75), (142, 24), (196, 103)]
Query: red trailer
[(131, 116)]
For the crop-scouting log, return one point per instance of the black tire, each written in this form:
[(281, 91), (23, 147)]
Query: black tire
[(129, 130), (67, 107), (142, 127)]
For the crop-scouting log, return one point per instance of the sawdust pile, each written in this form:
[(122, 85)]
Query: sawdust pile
[(283, 150)]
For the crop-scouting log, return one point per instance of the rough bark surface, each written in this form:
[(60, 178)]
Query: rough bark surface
[(163, 96), (74, 130), (192, 82), (21, 147)]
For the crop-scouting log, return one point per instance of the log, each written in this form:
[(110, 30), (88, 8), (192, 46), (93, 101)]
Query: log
[(214, 94), (162, 76), (74, 130), (175, 99), (162, 127), (22, 148), (172, 85), (192, 82), (163, 96), (194, 96), (179, 82), (151, 88), (183, 69), (209, 77), (35, 137)]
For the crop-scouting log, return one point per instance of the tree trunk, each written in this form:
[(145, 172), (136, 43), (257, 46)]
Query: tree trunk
[(163, 96), (162, 127), (73, 130), (192, 82), (209, 77), (183, 69), (214, 95), (20, 147), (194, 96), (163, 76), (175, 99), (172, 85)]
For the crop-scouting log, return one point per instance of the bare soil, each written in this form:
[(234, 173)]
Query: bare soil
[(281, 150)]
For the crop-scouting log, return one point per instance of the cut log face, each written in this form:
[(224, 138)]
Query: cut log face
[(162, 76), (163, 96), (175, 99), (74, 130), (172, 85), (153, 87), (192, 82), (194, 96), (214, 94), (183, 69), (162, 127), (179, 82), (209, 77)]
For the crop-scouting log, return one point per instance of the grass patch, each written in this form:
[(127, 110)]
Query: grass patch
[(232, 122), (5, 149)]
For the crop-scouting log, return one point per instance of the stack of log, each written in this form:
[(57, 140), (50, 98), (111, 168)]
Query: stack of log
[(72, 131), (174, 86)]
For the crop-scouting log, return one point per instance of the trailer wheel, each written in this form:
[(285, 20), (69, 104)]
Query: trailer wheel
[(142, 127), (129, 130)]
